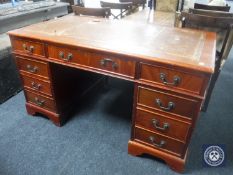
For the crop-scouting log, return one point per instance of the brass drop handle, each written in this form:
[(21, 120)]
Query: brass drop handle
[(36, 86), (30, 49), (169, 107), (32, 69), (39, 102), (25, 47), (69, 57), (104, 62), (156, 125), (176, 80), (161, 144), (62, 56)]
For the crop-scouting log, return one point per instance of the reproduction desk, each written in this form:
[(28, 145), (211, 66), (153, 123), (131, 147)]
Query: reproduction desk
[(170, 69)]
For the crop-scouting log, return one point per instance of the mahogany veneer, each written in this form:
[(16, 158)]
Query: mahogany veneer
[(159, 142), (41, 101), (31, 83), (170, 68), (159, 100), (28, 47), (166, 125), (102, 62), (36, 68), (189, 82)]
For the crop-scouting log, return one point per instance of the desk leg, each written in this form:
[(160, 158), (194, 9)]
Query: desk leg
[(175, 163)]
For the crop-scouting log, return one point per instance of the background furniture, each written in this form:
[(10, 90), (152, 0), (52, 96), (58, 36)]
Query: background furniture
[(210, 7), (27, 17), (124, 8), (212, 21), (136, 3), (102, 12), (210, 13), (4, 1)]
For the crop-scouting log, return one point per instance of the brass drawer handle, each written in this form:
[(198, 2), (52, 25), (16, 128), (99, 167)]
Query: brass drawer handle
[(104, 62), (161, 144), (176, 80), (169, 107), (25, 47), (69, 57), (156, 125), (32, 69), (30, 49), (39, 102), (36, 86), (62, 56)]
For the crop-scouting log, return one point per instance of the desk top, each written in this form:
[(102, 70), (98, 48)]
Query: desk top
[(182, 47), (153, 17)]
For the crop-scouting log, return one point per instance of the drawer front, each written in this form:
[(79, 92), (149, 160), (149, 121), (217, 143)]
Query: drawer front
[(37, 85), (93, 60), (113, 64), (163, 125), (168, 103), (33, 67), (41, 101), (172, 79), (159, 142), (28, 47), (68, 55)]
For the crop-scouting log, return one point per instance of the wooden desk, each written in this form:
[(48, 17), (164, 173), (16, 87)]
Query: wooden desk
[(169, 67)]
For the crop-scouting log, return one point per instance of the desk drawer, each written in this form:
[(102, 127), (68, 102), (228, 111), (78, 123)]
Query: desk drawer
[(64, 54), (113, 64), (37, 85), (163, 125), (92, 60), (159, 142), (172, 78), (41, 101), (28, 47), (166, 102), (33, 67)]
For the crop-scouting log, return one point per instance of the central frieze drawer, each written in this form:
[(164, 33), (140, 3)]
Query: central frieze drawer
[(162, 124), (33, 67), (169, 103), (28, 47), (172, 78), (91, 60), (159, 142)]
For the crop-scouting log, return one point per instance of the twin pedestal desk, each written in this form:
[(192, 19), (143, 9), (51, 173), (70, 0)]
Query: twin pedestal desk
[(170, 69)]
